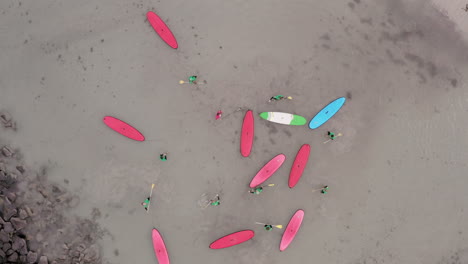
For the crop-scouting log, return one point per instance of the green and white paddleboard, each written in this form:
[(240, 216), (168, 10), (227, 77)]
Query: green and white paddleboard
[(284, 118)]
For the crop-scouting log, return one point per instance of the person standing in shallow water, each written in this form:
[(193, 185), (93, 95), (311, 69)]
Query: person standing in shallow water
[(279, 98), (256, 190), (163, 156), (216, 201), (276, 98), (219, 114), (324, 190), (146, 203), (192, 79)]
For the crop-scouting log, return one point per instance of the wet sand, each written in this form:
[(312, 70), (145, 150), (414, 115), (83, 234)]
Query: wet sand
[(397, 176)]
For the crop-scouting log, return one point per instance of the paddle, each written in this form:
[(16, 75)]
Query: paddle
[(237, 110), (339, 135), (269, 185), (151, 193), (325, 187), (182, 82), (277, 226)]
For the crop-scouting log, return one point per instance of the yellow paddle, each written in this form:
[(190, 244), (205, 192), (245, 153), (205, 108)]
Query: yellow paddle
[(277, 226), (182, 82), (151, 193)]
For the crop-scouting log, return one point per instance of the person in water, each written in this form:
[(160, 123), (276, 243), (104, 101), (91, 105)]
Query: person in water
[(276, 98), (256, 190), (324, 190), (268, 227), (192, 79), (163, 156), (331, 135), (218, 114), (215, 202), (146, 203)]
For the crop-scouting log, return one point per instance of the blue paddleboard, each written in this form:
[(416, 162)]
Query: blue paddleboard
[(326, 113)]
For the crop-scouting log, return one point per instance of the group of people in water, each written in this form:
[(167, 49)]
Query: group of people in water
[(257, 190)]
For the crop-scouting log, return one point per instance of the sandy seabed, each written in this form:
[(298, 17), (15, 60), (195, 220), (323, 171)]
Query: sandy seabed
[(397, 176)]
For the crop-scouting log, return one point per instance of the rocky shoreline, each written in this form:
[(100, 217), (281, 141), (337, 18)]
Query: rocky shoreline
[(35, 223)]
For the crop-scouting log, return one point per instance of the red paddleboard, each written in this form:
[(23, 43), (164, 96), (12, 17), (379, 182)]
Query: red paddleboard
[(247, 134), (161, 28), (123, 128), (232, 239), (299, 165), (291, 229), (159, 247), (264, 173)]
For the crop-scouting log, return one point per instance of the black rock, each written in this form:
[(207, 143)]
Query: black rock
[(29, 211), (9, 252), (20, 169), (13, 257), (2, 255), (8, 212), (24, 250), (33, 245), (43, 260), (7, 179), (32, 257), (91, 254), (5, 117), (7, 151), (81, 247), (11, 125), (6, 246), (8, 227), (18, 243), (23, 214), (17, 223), (4, 237), (11, 196)]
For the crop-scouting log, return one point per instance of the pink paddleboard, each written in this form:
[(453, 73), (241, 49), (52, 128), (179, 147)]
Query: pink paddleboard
[(159, 247), (291, 230), (232, 239), (123, 128), (247, 134), (299, 165), (264, 173), (161, 28)]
